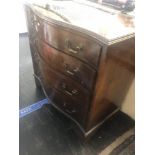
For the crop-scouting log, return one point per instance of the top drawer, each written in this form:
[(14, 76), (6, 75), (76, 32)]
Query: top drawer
[(71, 43)]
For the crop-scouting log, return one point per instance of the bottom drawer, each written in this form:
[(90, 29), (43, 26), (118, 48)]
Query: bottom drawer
[(77, 110)]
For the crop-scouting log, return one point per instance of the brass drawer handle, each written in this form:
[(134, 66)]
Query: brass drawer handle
[(70, 111), (71, 93), (71, 49), (71, 71)]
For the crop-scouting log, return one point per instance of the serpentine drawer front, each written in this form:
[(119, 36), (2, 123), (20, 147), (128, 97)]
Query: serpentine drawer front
[(68, 65), (73, 108), (84, 65), (72, 44), (64, 84)]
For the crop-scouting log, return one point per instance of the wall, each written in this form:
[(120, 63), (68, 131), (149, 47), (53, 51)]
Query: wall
[(128, 105), (22, 18)]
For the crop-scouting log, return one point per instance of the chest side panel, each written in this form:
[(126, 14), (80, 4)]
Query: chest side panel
[(115, 74)]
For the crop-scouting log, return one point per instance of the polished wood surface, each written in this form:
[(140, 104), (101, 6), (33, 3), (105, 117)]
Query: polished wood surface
[(64, 84), (85, 76), (115, 74), (67, 65), (71, 43), (72, 107)]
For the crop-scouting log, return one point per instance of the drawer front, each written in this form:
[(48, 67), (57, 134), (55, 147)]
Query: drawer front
[(68, 65), (63, 84), (72, 43), (75, 109)]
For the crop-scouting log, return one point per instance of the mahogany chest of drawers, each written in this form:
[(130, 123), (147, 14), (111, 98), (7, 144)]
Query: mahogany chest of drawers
[(84, 74)]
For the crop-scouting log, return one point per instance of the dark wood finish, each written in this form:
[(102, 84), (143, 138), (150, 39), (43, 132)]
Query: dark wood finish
[(64, 84), (35, 58), (115, 74), (80, 70), (71, 43), (67, 65), (70, 106)]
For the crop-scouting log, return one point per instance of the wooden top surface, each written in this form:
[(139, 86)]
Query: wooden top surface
[(107, 24)]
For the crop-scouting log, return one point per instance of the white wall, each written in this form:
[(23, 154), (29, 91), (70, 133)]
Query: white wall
[(128, 105), (22, 18)]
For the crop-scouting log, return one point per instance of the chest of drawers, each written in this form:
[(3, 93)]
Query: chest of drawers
[(85, 75)]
